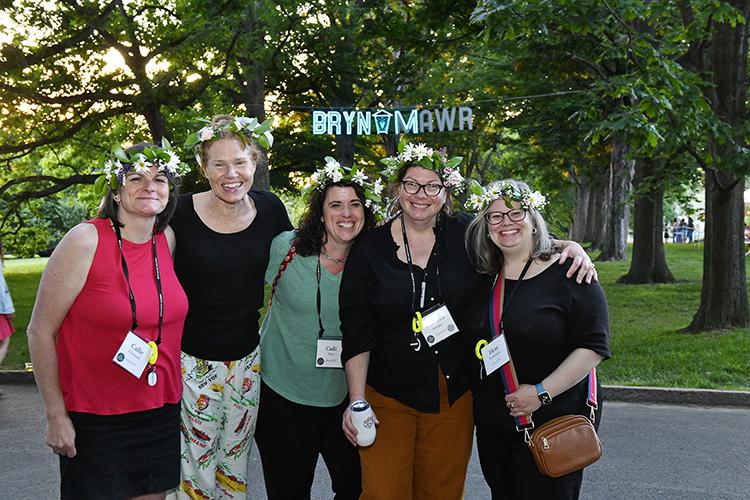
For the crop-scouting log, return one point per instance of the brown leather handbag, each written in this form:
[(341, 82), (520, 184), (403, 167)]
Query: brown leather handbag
[(564, 444)]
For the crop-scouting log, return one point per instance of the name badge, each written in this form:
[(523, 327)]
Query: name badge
[(495, 354), (437, 324), (329, 353), (133, 354)]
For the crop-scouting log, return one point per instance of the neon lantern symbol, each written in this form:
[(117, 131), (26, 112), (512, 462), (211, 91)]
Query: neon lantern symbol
[(382, 121)]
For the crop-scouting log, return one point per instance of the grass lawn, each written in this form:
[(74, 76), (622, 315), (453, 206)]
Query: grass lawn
[(646, 344)]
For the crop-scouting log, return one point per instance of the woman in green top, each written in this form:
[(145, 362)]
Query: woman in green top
[(303, 390)]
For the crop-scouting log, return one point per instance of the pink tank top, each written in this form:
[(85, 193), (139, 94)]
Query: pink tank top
[(100, 318)]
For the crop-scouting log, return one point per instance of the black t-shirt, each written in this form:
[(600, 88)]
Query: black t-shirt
[(548, 317), (223, 277), (375, 307)]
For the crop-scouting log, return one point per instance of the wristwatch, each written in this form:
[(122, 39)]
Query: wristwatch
[(543, 395)]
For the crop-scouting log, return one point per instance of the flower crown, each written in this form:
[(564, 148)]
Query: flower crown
[(422, 156), (333, 172), (480, 197), (249, 129), (115, 169)]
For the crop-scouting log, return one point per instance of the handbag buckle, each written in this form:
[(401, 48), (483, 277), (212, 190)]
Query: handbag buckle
[(592, 414), (545, 443)]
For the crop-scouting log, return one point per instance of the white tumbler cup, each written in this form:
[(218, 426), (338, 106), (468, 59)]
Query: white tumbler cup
[(364, 420)]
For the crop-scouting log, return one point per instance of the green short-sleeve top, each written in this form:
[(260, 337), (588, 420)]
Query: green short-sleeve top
[(289, 335)]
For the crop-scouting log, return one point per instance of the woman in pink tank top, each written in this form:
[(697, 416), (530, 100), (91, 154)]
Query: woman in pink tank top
[(105, 336)]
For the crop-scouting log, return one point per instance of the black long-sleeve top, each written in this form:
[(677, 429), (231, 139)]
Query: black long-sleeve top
[(375, 305)]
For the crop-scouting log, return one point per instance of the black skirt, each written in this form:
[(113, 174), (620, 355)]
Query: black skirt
[(122, 456)]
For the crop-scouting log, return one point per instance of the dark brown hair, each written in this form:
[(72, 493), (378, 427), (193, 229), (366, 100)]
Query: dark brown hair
[(108, 208), (311, 234)]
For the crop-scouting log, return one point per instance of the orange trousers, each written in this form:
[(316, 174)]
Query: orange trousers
[(416, 455)]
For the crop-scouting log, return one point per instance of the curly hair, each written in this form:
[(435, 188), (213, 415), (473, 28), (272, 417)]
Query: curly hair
[(108, 207), (486, 257), (311, 235)]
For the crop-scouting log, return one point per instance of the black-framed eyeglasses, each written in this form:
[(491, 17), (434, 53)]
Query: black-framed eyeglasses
[(413, 187), (495, 218)]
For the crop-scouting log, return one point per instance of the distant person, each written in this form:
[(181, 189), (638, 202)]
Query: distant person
[(690, 229), (7, 312), (676, 231), (666, 232), (105, 336)]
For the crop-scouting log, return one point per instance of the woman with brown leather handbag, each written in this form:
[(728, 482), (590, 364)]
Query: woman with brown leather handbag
[(557, 330)]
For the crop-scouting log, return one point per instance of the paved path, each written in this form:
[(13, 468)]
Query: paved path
[(650, 452)]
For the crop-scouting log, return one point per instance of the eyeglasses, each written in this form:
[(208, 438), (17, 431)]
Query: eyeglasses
[(413, 187), (495, 218)]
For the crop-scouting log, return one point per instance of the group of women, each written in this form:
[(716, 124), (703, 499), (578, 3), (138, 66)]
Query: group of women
[(155, 372)]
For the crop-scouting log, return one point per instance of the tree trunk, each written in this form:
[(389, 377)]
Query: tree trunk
[(614, 245), (724, 302), (251, 80), (648, 263), (579, 226)]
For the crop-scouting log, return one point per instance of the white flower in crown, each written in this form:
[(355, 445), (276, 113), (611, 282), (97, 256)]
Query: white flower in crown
[(359, 178), (315, 177), (206, 133), (337, 175), (242, 121), (475, 202), (109, 167), (536, 200), (331, 167), (421, 150), (408, 152), (140, 165), (174, 161), (377, 187)]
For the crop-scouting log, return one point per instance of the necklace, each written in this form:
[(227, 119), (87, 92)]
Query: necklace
[(332, 259)]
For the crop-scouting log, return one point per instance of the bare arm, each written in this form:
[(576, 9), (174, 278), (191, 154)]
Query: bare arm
[(571, 371), (356, 378), (581, 261), (61, 283), (169, 233)]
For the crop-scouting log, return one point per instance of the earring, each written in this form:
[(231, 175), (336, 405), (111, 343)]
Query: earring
[(533, 230), (116, 198)]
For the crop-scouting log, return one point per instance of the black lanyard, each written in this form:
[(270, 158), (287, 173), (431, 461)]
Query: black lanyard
[(317, 298), (127, 280), (409, 261), (513, 293)]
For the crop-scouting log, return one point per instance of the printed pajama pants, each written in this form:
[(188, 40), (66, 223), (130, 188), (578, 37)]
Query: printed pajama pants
[(217, 422)]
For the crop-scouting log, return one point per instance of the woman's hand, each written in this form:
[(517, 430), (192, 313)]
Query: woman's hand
[(523, 402), (348, 426), (581, 262), (61, 435)]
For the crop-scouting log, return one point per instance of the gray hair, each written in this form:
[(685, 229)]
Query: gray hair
[(486, 257)]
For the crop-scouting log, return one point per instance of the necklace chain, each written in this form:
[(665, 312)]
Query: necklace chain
[(332, 259)]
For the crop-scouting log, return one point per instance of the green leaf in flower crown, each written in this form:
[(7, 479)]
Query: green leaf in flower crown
[(150, 153), (113, 183), (401, 145), (263, 141), (191, 141), (100, 186), (426, 162), (474, 187), (454, 161), (266, 125), (120, 154), (165, 143)]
